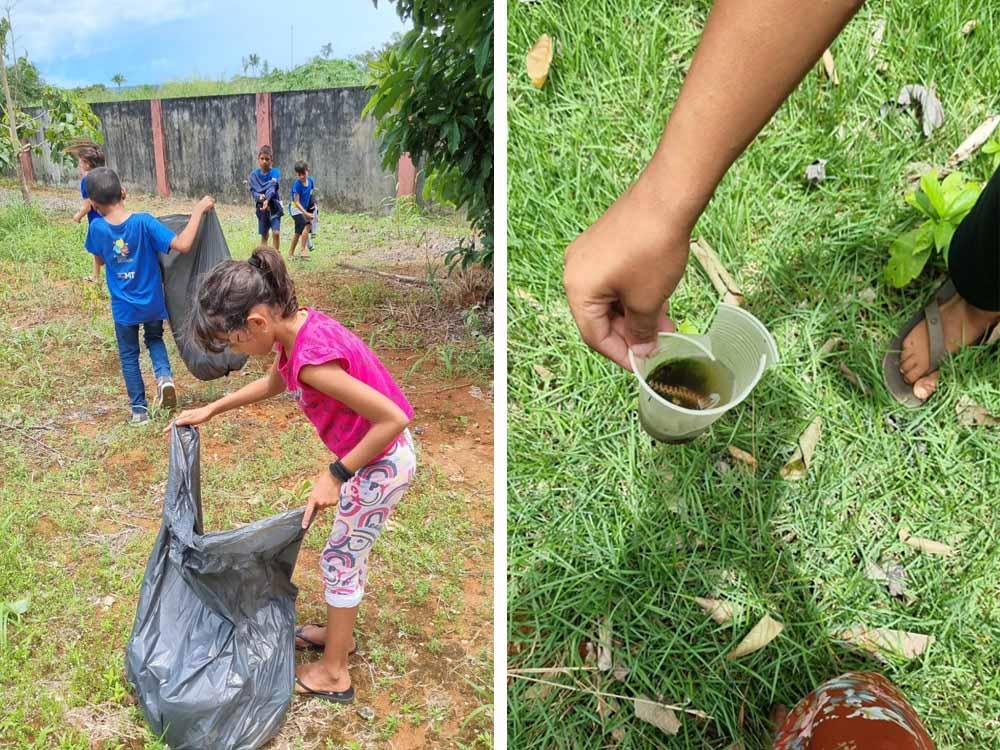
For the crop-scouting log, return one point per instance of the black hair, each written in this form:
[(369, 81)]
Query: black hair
[(87, 151), (301, 167), (233, 288), (265, 150), (103, 186)]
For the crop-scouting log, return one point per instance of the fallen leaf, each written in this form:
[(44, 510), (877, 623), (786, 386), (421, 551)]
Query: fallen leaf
[(877, 34), (538, 60), (798, 465), (743, 457), (829, 345), (620, 673), (868, 294), (852, 377), (927, 104), (968, 27), (606, 707), (604, 660), (763, 633), (816, 172), (880, 641), (719, 610), (829, 68), (971, 414), (976, 138), (927, 546), (892, 574), (657, 715), (526, 296), (544, 373)]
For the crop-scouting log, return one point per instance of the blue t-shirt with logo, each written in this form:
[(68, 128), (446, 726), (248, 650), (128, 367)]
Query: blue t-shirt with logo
[(133, 271), (92, 213), (303, 192)]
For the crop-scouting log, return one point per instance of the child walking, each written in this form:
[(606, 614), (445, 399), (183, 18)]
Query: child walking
[(127, 244), (88, 156), (359, 412), (302, 210), (267, 197)]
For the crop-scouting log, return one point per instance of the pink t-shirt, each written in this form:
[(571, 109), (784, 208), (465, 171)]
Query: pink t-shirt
[(322, 339)]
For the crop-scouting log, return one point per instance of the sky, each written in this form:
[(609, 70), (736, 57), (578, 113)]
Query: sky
[(85, 42)]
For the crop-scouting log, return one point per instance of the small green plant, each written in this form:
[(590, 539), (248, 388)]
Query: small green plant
[(944, 203), (7, 609), (992, 147)]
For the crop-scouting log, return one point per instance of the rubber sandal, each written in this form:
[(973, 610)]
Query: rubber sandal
[(334, 696), (312, 645), (893, 378)]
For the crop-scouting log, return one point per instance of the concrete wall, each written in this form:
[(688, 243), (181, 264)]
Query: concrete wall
[(210, 146)]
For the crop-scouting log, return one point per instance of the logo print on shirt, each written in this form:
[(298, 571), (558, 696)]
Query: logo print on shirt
[(120, 248)]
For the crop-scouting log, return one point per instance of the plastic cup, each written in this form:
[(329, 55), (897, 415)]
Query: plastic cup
[(736, 339)]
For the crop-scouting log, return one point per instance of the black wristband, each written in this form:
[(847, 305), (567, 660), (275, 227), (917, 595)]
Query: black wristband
[(340, 471)]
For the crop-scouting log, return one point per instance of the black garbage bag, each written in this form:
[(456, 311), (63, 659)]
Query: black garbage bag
[(181, 274), (212, 651)]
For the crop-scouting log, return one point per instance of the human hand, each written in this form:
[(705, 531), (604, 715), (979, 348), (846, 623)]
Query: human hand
[(77, 218), (206, 204), (191, 417), (621, 271), (325, 492)]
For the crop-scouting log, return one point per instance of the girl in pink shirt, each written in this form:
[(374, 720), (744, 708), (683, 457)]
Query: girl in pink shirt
[(360, 414)]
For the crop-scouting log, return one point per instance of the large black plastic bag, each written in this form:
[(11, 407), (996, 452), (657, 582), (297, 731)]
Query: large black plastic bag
[(212, 652), (181, 274)]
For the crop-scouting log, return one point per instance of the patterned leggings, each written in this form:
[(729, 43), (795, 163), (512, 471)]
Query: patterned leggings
[(366, 501)]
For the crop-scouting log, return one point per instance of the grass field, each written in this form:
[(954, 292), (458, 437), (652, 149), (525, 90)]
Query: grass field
[(81, 491), (610, 532)]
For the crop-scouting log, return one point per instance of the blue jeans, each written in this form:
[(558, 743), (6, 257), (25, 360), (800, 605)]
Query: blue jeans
[(128, 353)]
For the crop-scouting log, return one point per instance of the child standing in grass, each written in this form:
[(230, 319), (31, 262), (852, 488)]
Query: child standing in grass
[(88, 156), (127, 244), (303, 208), (266, 196), (358, 411)]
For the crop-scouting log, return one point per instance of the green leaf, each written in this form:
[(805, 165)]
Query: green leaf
[(905, 262), (991, 147), (953, 184), (943, 231), (921, 202), (962, 203), (930, 186)]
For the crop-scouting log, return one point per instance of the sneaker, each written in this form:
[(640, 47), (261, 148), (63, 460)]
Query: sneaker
[(139, 417), (166, 394)]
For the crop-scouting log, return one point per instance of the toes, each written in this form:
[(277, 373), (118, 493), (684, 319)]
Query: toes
[(924, 387)]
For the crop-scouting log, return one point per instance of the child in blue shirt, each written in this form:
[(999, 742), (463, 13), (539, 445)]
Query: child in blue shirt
[(127, 244), (266, 196), (303, 209), (88, 156)]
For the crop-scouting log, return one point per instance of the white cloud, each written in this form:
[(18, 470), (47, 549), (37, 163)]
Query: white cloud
[(50, 30)]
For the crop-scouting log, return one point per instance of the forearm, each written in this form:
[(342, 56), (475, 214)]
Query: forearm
[(258, 390), (185, 240), (373, 443), (752, 54)]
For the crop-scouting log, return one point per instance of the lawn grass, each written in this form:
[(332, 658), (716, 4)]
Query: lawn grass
[(605, 525), (81, 495)]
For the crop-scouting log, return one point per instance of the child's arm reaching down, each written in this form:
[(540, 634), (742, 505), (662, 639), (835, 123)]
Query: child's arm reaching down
[(387, 422), (183, 242), (263, 388), (84, 210)]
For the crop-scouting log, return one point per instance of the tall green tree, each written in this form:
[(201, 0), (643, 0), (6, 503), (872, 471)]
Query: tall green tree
[(118, 79), (434, 100)]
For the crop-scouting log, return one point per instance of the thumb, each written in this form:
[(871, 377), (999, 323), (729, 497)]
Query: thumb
[(307, 517)]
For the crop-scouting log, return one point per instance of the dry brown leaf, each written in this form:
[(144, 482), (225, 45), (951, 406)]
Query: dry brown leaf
[(719, 610), (976, 138), (657, 715), (604, 659), (721, 279), (852, 377), (829, 68), (620, 673), (877, 34), (538, 60), (526, 296), (926, 102), (544, 373), (798, 465), (881, 641), (829, 345), (971, 414), (763, 633), (891, 573), (968, 27), (816, 172), (743, 457), (927, 546)]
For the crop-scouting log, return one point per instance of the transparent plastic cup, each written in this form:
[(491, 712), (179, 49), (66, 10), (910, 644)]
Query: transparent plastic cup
[(736, 339)]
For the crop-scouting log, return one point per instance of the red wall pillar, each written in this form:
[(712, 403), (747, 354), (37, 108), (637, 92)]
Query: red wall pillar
[(264, 119), (159, 148), (406, 177)]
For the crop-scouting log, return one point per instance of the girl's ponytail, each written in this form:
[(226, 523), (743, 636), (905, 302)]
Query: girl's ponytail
[(233, 288)]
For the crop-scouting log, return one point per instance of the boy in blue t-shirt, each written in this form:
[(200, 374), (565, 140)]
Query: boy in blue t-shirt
[(303, 209), (127, 244), (267, 197), (88, 156)]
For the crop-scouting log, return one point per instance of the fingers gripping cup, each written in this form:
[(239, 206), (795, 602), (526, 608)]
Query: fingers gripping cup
[(688, 382)]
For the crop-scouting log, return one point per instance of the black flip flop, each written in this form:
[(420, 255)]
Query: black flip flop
[(893, 378), (312, 645), (334, 696)]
